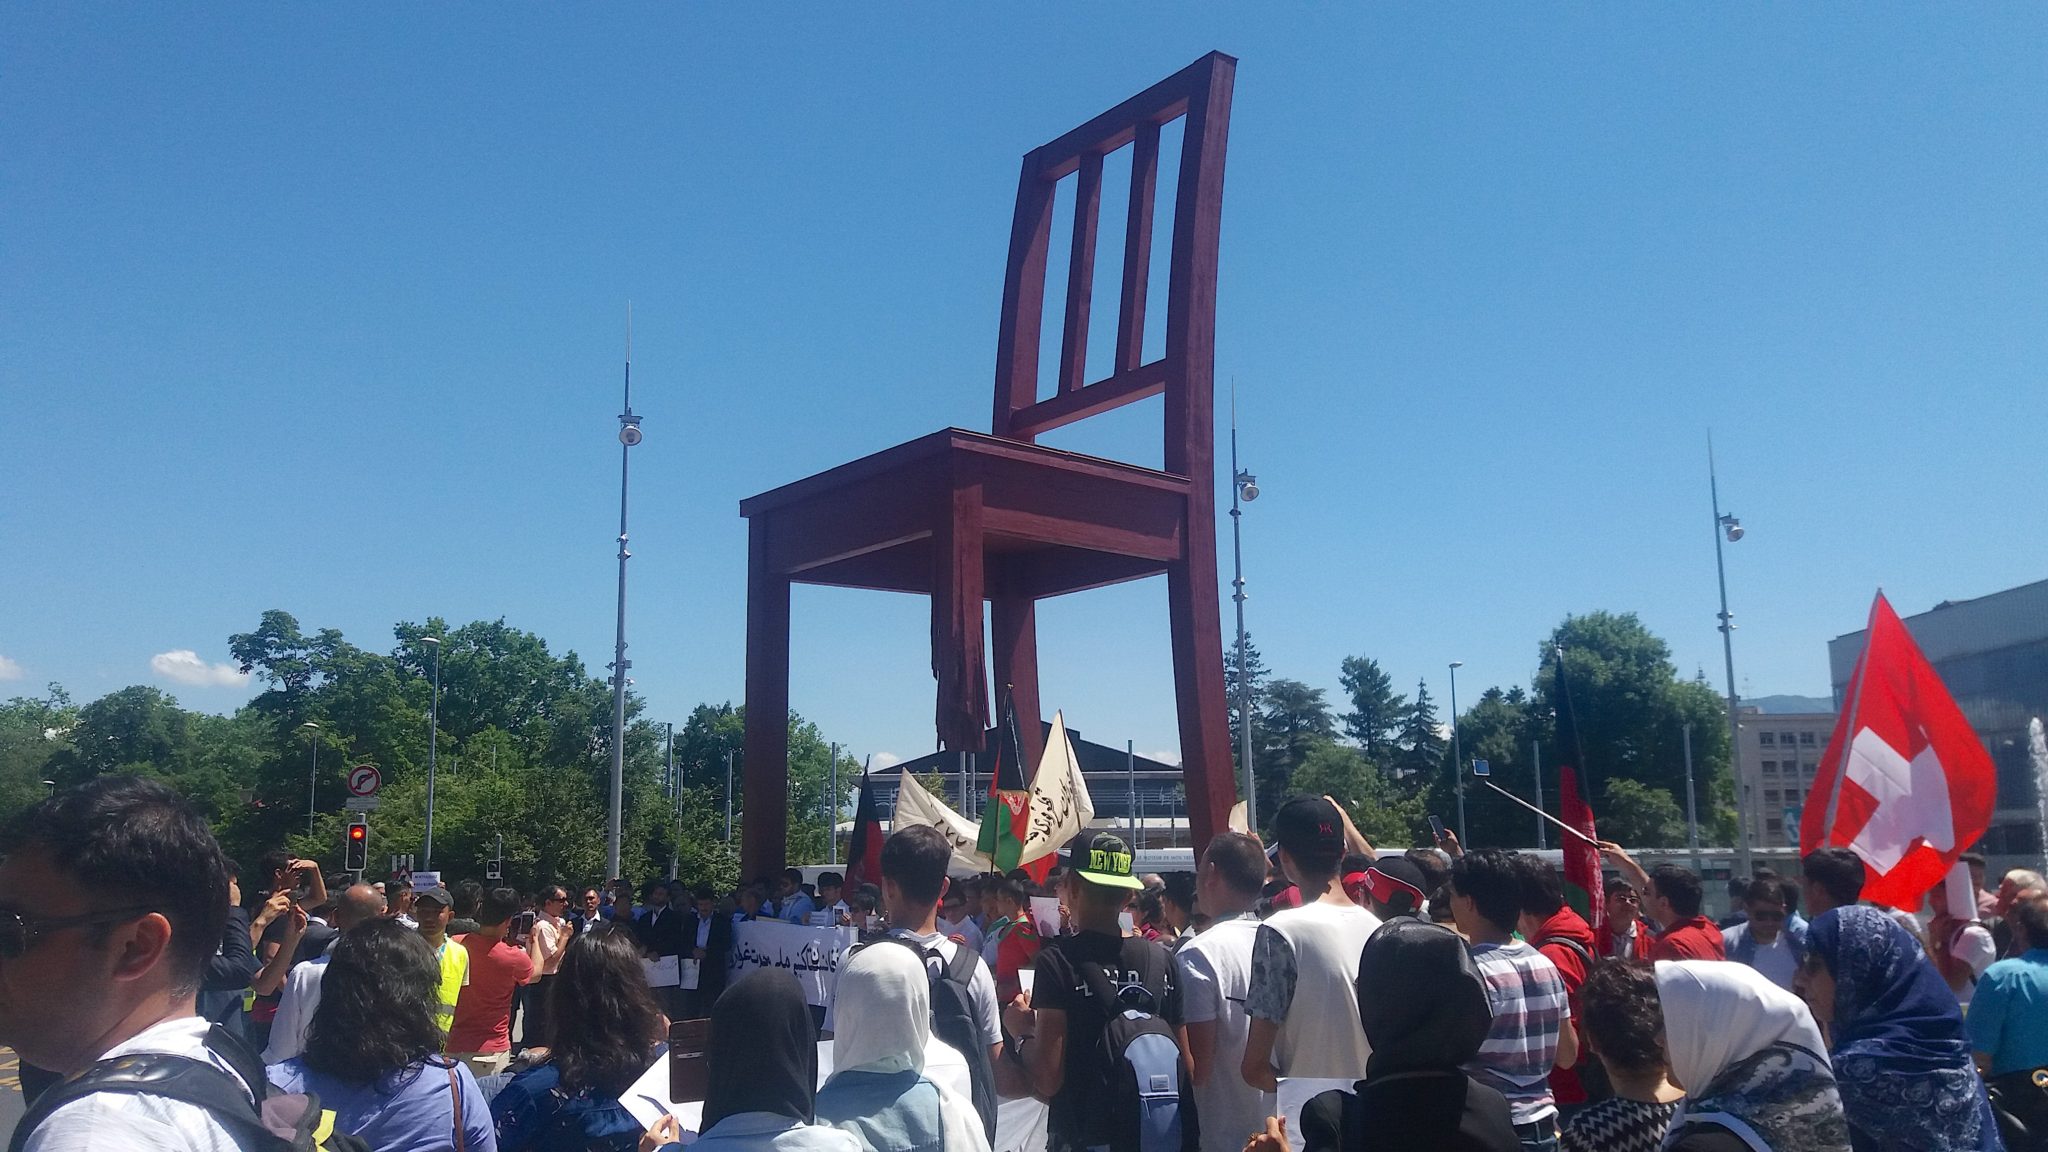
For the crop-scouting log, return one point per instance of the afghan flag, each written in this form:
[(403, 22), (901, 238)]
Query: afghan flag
[(1006, 817), (1583, 879), (864, 855)]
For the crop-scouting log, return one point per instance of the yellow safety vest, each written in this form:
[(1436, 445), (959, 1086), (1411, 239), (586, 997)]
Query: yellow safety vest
[(454, 959)]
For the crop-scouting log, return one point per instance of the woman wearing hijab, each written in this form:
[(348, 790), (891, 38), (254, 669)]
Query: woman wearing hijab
[(762, 1073), (1901, 1056), (1751, 1061), (878, 1091), (1425, 1013)]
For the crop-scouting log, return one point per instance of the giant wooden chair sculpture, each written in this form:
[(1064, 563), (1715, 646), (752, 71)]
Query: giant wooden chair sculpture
[(965, 517)]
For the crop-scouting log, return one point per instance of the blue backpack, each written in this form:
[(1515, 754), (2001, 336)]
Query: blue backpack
[(1143, 1057)]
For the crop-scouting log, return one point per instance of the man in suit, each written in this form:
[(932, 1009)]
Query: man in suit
[(707, 936), (659, 928)]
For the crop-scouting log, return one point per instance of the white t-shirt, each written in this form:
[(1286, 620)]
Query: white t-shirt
[(295, 1011), (1215, 977), (1308, 957), (1776, 962), (981, 991), (1973, 946), (135, 1120)]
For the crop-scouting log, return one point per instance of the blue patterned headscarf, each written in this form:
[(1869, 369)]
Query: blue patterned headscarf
[(1901, 1057)]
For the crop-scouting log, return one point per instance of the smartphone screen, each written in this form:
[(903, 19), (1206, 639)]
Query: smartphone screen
[(1481, 768), (1436, 826)]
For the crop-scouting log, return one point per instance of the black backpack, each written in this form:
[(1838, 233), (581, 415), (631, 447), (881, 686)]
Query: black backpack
[(953, 1019), (1139, 1049), (278, 1122)]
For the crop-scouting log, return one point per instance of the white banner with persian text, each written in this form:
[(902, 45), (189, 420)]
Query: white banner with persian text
[(812, 955)]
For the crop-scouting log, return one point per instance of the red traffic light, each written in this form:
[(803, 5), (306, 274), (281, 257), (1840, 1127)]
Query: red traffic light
[(358, 832)]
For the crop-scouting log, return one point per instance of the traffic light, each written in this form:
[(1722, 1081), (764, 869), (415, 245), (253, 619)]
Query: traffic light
[(356, 854)]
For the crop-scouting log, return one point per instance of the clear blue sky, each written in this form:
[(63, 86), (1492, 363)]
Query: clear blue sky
[(321, 308)]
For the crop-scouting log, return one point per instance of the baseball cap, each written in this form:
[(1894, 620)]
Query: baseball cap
[(1311, 829), (1107, 861), (439, 896), (1393, 876)]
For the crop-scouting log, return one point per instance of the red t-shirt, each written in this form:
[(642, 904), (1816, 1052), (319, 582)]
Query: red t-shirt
[(1694, 939), (483, 1014)]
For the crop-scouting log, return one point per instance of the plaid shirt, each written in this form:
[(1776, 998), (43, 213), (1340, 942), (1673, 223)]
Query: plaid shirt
[(1529, 1007)]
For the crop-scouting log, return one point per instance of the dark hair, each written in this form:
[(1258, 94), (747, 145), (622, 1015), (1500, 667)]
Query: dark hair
[(703, 892), (794, 876), (467, 896), (603, 1020), (1239, 860), (916, 858), (132, 843), (497, 907), (1542, 889), (1619, 885), (866, 898), (1619, 1008), (1180, 888), (1764, 888), (553, 892), (377, 1004), (1440, 905), (1151, 905), (1835, 871), (830, 880), (1790, 892), (1976, 858), (1353, 862), (1015, 891), (1434, 873), (1493, 881), (272, 862), (1680, 886)]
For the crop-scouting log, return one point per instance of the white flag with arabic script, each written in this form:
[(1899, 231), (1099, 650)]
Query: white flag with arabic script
[(1060, 805)]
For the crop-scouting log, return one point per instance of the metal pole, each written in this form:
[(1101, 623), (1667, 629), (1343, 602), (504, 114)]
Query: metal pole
[(433, 740), (1131, 774), (1536, 761), (728, 795), (313, 778), (1244, 688), (629, 435), (832, 810), (1692, 815), (675, 852), (1457, 752), (1728, 654)]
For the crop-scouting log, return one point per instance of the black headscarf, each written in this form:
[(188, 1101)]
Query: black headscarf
[(764, 1050), (1420, 998)]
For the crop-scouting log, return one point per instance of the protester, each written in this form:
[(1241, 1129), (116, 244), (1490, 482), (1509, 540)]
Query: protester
[(357, 904), (232, 967), (1415, 1095), (660, 928), (1628, 937), (1751, 1061), (1082, 980), (878, 1091), (551, 936), (793, 905), (1763, 940), (1215, 969), (398, 905), (1177, 904), (1960, 947), (469, 897), (1620, 1024), (1394, 886), (1900, 1055), (1987, 901), (1738, 894), (589, 912), (831, 897), (372, 1050), (1830, 878), (763, 1073), (1433, 866), (708, 935), (294, 887), (1530, 1032), (1671, 897), (1303, 997), (954, 922), (2016, 886), (1013, 938), (2008, 1021), (434, 908), (1564, 938), (607, 1031), (482, 1034)]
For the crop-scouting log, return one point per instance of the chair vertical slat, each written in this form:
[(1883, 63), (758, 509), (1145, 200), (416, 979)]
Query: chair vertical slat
[(1130, 327), (1023, 299), (1081, 274)]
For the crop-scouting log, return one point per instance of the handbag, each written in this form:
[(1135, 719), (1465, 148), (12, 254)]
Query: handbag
[(2020, 1101)]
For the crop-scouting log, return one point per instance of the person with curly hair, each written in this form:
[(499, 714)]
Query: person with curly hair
[(1623, 1025), (373, 1050), (607, 1031)]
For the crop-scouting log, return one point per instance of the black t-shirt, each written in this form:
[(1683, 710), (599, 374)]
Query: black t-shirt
[(1080, 1111)]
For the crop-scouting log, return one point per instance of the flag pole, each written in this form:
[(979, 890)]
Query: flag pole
[(1541, 812), (1827, 830)]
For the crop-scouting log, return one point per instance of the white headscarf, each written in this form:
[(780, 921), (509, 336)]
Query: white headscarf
[(1718, 1013), (882, 1016)]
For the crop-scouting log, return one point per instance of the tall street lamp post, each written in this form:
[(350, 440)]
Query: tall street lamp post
[(312, 730), (1245, 487), (629, 435), (1457, 752), (433, 740), (1731, 528)]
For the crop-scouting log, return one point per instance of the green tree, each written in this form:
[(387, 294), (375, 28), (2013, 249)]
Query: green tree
[(33, 732), (1377, 711), (1422, 749), (1297, 718), (1389, 815), (1640, 815), (1255, 676)]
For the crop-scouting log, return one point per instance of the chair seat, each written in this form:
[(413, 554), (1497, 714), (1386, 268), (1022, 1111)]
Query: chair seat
[(1050, 522)]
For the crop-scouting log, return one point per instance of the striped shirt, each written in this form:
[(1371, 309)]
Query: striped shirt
[(1529, 1007)]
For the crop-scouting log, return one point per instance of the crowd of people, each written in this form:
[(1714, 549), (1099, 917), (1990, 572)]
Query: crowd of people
[(1443, 998)]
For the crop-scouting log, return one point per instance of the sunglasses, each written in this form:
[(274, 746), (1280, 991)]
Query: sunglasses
[(19, 933)]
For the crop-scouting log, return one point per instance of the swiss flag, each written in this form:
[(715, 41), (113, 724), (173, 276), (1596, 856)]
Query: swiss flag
[(1909, 781)]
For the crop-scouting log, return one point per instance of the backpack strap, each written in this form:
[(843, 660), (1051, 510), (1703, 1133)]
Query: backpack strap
[(455, 1095), (960, 969), (1571, 945), (180, 1078)]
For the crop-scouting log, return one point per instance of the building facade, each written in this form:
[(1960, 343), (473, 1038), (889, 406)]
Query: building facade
[(1992, 653), (1779, 754)]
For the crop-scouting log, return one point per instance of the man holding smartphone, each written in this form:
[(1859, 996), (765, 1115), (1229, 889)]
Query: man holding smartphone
[(482, 1032)]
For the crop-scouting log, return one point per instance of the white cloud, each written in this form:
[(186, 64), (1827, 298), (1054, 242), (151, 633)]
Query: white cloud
[(1164, 756), (185, 666), (887, 759), (9, 670)]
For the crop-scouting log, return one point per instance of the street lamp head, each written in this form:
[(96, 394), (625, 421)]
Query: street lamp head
[(1732, 527), (434, 640), (629, 433), (1247, 487), (310, 726), (1457, 663)]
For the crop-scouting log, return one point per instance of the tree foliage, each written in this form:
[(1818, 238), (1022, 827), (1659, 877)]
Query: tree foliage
[(1377, 713)]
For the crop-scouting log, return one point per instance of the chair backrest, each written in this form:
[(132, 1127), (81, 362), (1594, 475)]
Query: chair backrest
[(1185, 373)]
